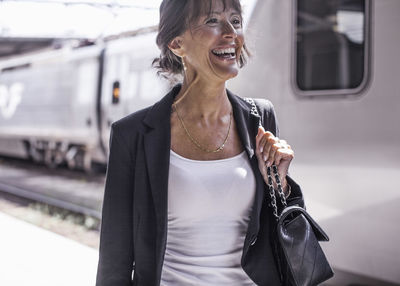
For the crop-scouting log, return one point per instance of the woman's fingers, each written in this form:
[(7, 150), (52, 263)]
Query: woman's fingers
[(259, 136), (262, 138), (272, 152), (271, 149), (284, 154), (262, 144)]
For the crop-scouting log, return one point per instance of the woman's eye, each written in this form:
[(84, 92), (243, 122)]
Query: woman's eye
[(212, 21), (236, 22)]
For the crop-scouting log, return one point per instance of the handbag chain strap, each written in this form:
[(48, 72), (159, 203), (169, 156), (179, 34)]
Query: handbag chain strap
[(271, 189)]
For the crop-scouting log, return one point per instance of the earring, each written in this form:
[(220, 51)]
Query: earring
[(183, 63)]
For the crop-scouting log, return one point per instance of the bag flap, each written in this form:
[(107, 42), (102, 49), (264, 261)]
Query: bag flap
[(295, 210)]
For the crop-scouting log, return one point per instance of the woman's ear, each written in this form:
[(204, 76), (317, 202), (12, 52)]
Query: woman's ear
[(176, 46)]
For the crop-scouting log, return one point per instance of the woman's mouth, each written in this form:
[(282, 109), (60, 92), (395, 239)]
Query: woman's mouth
[(225, 54)]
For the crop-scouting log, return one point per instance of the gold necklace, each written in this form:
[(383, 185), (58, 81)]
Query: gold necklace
[(194, 141)]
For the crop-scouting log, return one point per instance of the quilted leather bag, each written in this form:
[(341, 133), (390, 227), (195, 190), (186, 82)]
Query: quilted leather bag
[(301, 260)]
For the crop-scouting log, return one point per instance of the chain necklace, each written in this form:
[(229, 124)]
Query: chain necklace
[(194, 141)]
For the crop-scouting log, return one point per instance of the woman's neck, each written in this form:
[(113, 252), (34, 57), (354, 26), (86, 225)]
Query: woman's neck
[(203, 99)]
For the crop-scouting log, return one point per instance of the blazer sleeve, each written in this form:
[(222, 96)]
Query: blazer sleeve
[(270, 123), (116, 257)]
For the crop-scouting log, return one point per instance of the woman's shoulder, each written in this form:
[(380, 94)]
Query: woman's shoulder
[(130, 122), (266, 111), (138, 121), (264, 105)]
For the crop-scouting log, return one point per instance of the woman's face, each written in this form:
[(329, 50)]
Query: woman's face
[(213, 45)]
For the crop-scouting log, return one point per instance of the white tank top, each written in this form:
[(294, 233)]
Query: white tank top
[(209, 207)]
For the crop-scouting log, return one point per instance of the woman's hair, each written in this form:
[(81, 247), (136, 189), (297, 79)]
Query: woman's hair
[(176, 16)]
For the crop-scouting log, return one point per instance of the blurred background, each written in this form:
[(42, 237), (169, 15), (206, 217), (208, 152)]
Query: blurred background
[(68, 69)]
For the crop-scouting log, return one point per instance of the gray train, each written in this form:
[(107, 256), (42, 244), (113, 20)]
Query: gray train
[(331, 67), (57, 106)]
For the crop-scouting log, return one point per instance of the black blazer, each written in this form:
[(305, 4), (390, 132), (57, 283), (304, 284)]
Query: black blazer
[(134, 221)]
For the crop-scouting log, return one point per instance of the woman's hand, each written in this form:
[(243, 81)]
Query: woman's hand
[(272, 150)]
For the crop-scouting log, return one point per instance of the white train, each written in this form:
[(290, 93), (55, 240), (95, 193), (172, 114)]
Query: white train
[(57, 106), (330, 67)]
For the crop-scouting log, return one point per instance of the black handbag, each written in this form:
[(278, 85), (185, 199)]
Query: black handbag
[(301, 260)]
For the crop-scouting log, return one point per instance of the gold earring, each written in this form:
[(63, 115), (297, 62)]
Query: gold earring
[(183, 63)]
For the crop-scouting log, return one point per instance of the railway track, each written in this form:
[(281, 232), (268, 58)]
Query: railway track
[(72, 191), (51, 201)]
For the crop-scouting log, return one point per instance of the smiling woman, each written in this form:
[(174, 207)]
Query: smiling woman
[(183, 201), (176, 17)]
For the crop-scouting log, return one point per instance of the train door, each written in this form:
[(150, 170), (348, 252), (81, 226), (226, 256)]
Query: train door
[(129, 81), (115, 71)]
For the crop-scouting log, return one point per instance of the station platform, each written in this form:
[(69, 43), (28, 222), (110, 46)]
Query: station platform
[(30, 255)]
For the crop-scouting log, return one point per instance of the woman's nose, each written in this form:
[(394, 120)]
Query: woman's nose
[(229, 30)]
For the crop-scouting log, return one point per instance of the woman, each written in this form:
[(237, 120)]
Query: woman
[(183, 202)]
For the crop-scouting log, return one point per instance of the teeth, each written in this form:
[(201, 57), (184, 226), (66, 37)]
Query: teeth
[(224, 51)]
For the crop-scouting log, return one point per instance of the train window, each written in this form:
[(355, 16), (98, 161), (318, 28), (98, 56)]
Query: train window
[(331, 46)]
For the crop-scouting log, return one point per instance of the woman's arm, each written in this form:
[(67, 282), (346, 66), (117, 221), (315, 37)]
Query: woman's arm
[(276, 151), (116, 238)]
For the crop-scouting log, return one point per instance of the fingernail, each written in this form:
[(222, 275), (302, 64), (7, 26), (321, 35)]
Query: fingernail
[(268, 164), (261, 149), (265, 158)]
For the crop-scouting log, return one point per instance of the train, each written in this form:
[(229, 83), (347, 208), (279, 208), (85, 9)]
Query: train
[(329, 66), (57, 105)]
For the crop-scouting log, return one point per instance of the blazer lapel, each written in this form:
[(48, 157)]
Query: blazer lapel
[(247, 124), (157, 144)]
